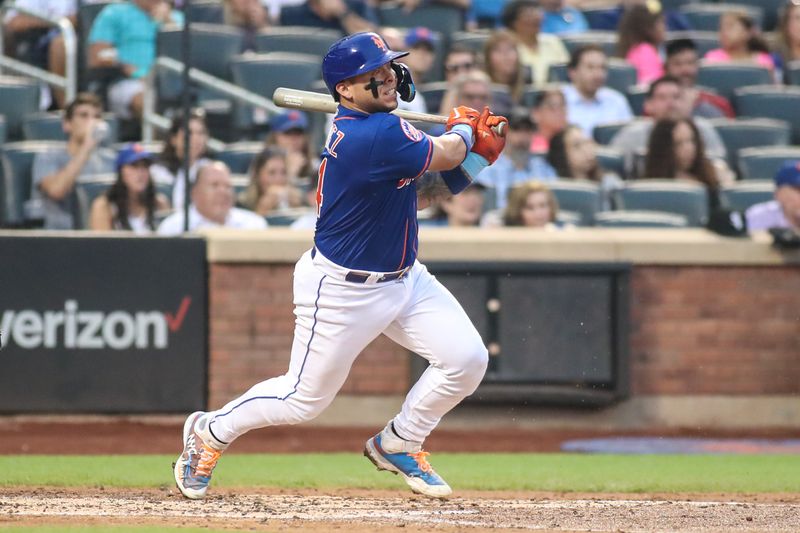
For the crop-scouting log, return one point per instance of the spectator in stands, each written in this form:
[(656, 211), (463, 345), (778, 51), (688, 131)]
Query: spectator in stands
[(641, 33), (589, 102), (248, 15), (132, 201), (740, 41), (54, 173), (664, 101), (274, 8), (212, 204), (474, 90), (501, 59), (124, 35), (784, 210), (788, 48), (537, 50), (549, 114), (560, 18), (683, 63), (289, 132), (270, 189), (532, 205), (459, 60), (516, 164), (676, 150), (347, 16), (168, 166), (609, 19), (308, 220), (32, 40), (574, 155), (421, 45), (485, 14), (464, 209)]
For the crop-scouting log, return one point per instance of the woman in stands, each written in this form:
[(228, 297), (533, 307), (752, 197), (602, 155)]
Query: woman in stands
[(532, 205), (788, 36), (501, 57), (741, 41), (641, 33), (168, 167), (270, 190), (132, 202), (676, 150), (574, 155), (289, 131), (549, 113)]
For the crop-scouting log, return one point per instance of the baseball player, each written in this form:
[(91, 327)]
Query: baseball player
[(362, 277)]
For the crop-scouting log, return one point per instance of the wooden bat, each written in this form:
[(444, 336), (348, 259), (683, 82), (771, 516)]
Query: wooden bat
[(311, 101)]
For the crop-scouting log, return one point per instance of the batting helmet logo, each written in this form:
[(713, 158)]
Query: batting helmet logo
[(354, 55)]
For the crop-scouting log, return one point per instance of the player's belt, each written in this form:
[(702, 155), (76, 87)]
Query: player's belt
[(358, 276)]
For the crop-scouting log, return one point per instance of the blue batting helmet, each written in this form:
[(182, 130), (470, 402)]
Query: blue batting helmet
[(354, 55)]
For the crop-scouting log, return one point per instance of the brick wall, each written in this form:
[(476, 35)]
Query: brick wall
[(694, 330)]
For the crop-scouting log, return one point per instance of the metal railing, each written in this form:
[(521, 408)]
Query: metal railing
[(151, 119), (68, 82)]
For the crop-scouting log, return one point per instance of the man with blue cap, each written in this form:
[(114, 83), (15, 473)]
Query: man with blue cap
[(784, 210)]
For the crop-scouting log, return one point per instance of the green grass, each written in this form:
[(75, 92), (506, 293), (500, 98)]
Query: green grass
[(544, 472)]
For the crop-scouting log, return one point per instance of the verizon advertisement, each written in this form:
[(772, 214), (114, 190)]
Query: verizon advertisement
[(102, 325)]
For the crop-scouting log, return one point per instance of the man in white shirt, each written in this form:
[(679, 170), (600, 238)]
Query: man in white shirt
[(589, 102), (212, 205), (784, 210)]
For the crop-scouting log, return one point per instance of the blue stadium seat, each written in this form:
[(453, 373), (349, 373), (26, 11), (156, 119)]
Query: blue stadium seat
[(603, 133), (444, 19), (639, 219), (238, 156), (47, 126), (636, 96), (434, 93), (87, 190), (205, 11), (17, 161), (705, 16), (621, 74), (763, 163), (681, 197), (704, 40), (296, 39), (725, 78), (607, 40), (771, 101), (741, 195), (611, 160), (742, 133), (19, 97), (791, 72), (474, 40), (577, 196)]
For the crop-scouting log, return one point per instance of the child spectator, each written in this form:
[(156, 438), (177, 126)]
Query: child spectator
[(574, 155), (740, 41), (269, 189), (131, 203), (532, 205), (641, 33)]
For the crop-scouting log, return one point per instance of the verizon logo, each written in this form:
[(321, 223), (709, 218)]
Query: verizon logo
[(91, 330)]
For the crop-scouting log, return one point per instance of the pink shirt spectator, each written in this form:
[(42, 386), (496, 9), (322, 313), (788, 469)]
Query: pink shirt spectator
[(646, 59), (718, 55)]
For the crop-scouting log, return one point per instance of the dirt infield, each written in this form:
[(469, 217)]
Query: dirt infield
[(359, 512)]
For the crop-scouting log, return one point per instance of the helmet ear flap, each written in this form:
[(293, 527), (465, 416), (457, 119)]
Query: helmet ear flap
[(405, 84)]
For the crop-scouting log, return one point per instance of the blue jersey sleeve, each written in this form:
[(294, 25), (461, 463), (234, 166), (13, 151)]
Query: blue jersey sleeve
[(400, 151)]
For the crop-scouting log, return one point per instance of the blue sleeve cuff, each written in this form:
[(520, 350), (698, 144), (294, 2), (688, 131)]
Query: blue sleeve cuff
[(466, 134), (456, 180), (473, 164)]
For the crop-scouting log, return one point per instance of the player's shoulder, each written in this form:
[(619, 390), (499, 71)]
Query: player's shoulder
[(399, 128)]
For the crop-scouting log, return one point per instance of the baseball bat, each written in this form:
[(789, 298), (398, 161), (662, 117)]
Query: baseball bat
[(311, 101)]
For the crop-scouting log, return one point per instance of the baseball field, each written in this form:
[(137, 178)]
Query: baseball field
[(42, 490)]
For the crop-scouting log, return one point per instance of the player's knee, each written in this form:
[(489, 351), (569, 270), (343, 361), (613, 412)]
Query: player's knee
[(304, 412), (473, 362)]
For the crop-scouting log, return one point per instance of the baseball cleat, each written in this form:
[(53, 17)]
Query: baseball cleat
[(198, 459), (413, 466)]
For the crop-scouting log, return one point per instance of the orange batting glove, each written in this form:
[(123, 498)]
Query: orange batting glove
[(490, 135), (463, 115)]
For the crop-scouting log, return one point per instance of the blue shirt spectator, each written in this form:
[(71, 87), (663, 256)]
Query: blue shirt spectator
[(504, 174), (562, 19), (347, 16), (609, 20), (485, 13)]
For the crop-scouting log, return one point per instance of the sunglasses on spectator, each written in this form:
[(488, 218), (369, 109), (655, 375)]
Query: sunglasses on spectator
[(475, 96), (459, 66)]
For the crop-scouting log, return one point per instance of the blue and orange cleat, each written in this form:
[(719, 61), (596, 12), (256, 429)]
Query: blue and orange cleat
[(198, 459), (413, 465)]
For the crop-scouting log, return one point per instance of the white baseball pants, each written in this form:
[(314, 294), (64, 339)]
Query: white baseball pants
[(336, 320)]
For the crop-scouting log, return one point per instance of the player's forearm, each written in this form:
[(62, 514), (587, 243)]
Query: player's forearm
[(448, 152)]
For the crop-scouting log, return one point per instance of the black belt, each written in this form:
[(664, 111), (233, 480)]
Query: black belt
[(362, 277)]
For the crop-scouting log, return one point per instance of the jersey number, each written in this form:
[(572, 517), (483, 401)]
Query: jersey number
[(320, 181)]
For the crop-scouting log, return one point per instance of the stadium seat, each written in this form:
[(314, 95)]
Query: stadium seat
[(607, 40), (285, 217), (704, 40), (263, 73), (621, 75), (792, 72), (17, 162), (725, 78), (205, 12), (603, 133), (440, 18), (611, 160), (3, 130), (238, 156), (741, 195), (212, 47), (434, 93), (749, 132), (639, 219), (597, 17), (474, 40), (636, 95), (771, 10), (240, 183), (705, 16), (578, 196), (762, 163), (771, 101), (19, 97), (681, 197), (47, 126), (296, 39), (87, 190)]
